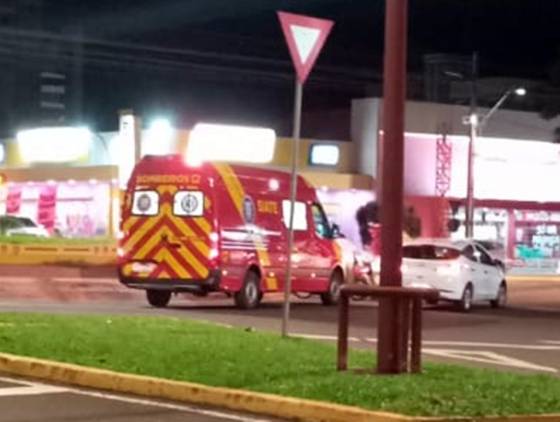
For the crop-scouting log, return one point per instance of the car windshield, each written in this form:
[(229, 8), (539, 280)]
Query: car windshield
[(26, 222), (432, 252)]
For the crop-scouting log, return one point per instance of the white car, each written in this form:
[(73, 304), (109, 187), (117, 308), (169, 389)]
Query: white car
[(462, 271), (21, 226)]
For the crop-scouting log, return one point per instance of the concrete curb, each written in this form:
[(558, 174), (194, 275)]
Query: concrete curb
[(61, 254), (237, 400)]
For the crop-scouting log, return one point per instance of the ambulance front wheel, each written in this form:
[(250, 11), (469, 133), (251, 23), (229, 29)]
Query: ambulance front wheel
[(331, 296), (158, 298), (250, 294)]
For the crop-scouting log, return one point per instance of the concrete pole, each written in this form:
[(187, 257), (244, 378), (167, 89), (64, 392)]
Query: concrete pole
[(473, 131), (392, 326)]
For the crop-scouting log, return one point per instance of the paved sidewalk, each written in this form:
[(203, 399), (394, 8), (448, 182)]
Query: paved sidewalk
[(62, 284)]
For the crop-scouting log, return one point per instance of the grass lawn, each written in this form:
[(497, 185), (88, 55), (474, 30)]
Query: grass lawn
[(213, 355)]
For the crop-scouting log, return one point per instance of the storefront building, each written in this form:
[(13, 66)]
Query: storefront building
[(73, 188), (70, 180), (517, 202)]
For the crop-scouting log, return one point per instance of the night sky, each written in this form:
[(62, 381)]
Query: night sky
[(513, 37), (214, 58)]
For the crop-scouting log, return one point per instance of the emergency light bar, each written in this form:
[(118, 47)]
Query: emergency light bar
[(212, 142)]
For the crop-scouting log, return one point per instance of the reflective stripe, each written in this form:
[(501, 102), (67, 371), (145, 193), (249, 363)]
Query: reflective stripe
[(145, 242), (237, 195)]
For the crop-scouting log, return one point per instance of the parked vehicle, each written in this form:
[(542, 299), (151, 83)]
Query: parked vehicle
[(21, 226), (222, 228), (462, 271)]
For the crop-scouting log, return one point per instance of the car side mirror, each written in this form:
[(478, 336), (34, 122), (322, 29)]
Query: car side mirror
[(498, 263)]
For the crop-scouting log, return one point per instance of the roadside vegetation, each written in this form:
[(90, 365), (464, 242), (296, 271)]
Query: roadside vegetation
[(57, 241)]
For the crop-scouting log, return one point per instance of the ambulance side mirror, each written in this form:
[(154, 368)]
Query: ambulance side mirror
[(335, 231)]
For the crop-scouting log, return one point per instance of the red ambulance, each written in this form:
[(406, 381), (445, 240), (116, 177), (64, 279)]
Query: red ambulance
[(223, 228)]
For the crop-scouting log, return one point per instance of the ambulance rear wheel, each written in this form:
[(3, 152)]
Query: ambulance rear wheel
[(250, 294), (331, 296), (158, 298)]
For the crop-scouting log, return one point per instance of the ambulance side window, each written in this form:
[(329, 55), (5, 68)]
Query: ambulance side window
[(300, 215), (320, 221)]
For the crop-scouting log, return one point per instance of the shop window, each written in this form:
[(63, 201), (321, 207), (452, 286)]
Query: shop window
[(324, 155)]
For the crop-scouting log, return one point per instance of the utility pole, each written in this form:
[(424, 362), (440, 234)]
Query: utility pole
[(473, 130), (391, 326)]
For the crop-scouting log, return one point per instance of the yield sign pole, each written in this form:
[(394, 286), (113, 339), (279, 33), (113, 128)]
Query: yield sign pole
[(305, 37), (391, 325)]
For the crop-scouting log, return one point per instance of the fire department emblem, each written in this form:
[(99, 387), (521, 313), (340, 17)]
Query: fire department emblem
[(189, 204), (144, 202), (249, 210)]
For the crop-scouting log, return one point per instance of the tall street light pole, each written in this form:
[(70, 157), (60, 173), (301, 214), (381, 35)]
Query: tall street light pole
[(473, 127), (520, 91), (476, 127)]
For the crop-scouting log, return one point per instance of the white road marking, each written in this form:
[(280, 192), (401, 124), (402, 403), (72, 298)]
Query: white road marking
[(491, 345), (22, 382), (31, 387), (475, 356), (489, 357), (556, 342), (550, 345), (322, 337), (184, 408), (34, 390)]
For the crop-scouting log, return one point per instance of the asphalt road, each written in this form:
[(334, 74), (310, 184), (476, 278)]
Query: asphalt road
[(22, 400), (523, 337)]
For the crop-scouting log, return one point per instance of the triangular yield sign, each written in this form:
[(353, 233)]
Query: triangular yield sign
[(305, 37)]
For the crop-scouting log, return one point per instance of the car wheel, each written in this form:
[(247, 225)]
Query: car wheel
[(465, 304), (501, 297), (250, 294), (331, 296), (158, 298)]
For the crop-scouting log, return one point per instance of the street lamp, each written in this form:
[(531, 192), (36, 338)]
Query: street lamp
[(476, 125), (519, 91)]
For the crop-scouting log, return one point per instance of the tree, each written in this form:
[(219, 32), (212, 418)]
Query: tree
[(370, 214), (548, 101)]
